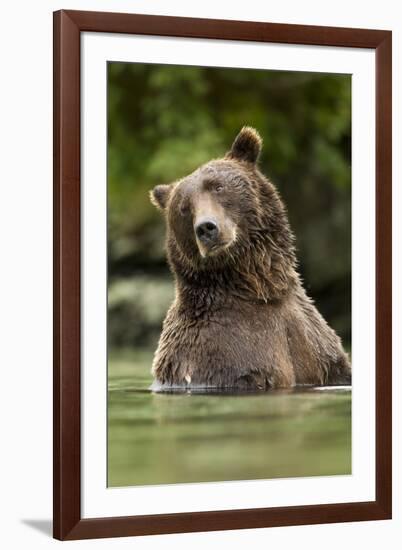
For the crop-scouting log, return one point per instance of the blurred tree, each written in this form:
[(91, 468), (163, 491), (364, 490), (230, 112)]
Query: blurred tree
[(165, 120)]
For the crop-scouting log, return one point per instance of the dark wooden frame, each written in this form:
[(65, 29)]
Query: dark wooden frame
[(68, 26)]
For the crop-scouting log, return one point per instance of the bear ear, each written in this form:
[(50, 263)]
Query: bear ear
[(159, 196), (246, 146)]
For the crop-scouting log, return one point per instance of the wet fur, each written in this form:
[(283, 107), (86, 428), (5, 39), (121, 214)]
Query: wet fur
[(241, 319)]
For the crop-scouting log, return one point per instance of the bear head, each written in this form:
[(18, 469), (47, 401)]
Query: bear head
[(227, 226)]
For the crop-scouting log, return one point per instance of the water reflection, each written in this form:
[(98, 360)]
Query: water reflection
[(198, 435)]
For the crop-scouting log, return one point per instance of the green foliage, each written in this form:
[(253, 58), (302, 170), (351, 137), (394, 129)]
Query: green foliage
[(136, 308), (164, 121)]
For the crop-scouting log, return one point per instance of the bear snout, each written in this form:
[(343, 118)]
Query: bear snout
[(213, 236), (207, 231)]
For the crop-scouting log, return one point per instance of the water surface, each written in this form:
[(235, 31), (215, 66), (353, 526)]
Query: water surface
[(157, 438)]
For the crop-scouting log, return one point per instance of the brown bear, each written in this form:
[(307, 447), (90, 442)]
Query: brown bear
[(241, 318)]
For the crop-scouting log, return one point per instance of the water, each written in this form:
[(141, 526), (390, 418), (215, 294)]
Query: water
[(157, 438)]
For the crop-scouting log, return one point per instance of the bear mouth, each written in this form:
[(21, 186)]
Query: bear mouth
[(213, 250)]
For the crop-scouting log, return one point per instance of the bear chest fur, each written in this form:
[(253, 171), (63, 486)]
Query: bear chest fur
[(243, 345)]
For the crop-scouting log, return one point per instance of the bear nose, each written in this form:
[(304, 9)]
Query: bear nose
[(206, 231)]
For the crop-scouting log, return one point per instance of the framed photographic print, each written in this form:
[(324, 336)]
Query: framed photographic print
[(222, 269)]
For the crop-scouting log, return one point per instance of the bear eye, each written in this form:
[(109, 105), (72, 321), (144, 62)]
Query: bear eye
[(184, 208), (219, 188)]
